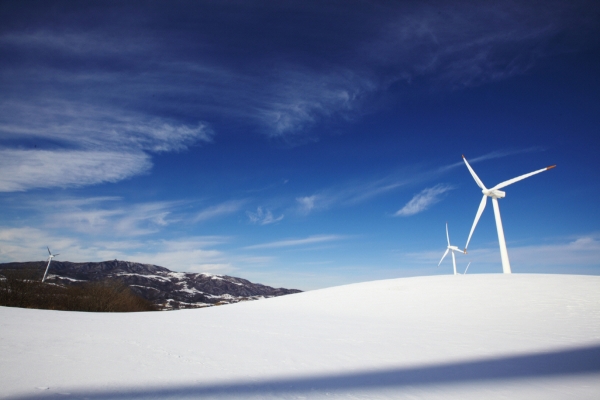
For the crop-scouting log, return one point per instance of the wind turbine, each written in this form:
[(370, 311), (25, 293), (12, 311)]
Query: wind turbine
[(50, 257), (496, 194), (450, 248), (466, 269)]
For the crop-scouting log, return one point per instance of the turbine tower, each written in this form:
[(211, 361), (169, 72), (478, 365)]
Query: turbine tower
[(50, 257), (496, 194), (466, 269), (450, 248)]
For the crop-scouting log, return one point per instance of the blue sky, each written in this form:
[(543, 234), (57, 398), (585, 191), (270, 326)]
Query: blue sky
[(299, 144)]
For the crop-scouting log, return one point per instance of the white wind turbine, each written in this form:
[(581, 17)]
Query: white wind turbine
[(450, 248), (50, 257), (466, 269), (496, 194)]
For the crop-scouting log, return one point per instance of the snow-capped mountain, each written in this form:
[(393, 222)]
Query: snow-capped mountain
[(165, 288)]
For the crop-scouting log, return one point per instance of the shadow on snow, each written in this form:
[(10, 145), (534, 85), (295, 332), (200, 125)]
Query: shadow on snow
[(559, 363)]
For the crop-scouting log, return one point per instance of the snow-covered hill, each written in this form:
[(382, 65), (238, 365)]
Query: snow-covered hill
[(165, 288), (442, 337)]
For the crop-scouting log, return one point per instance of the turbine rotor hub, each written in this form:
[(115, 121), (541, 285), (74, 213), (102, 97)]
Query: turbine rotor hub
[(494, 193)]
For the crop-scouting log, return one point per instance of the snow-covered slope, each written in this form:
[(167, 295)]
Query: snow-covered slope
[(478, 336), (166, 289)]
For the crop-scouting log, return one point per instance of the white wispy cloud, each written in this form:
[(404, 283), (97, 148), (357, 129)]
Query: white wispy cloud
[(262, 217), (72, 202), (351, 193), (451, 45), (75, 43), (441, 45), (290, 105), (580, 251), (21, 170), (143, 219), (100, 216), (355, 192), (116, 219), (423, 200), (111, 216), (190, 254), (29, 244), (87, 220), (219, 210), (444, 44), (191, 257), (374, 189), (492, 155), (307, 203), (86, 125), (92, 144), (297, 242)]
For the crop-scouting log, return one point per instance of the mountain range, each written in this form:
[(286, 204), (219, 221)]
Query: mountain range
[(167, 289)]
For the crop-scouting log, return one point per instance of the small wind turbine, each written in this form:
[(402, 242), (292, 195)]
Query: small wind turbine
[(496, 194), (466, 269), (50, 257), (450, 248)]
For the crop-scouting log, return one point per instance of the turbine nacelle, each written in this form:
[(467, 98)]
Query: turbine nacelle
[(494, 193)]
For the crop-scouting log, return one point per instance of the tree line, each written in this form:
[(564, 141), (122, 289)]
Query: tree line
[(23, 288)]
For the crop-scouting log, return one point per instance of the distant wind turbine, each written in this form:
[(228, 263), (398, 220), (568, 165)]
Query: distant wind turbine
[(50, 257), (466, 269), (450, 248), (496, 194)]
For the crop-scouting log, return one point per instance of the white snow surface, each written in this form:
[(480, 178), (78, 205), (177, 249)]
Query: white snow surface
[(443, 337)]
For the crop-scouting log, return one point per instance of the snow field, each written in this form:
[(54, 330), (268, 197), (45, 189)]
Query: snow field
[(473, 336)]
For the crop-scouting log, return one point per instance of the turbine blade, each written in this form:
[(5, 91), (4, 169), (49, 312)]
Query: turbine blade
[(447, 236), (48, 250), (446, 253), (477, 180), (466, 269), (477, 216), (518, 178)]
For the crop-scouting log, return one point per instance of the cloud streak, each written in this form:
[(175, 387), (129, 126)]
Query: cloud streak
[(261, 217), (492, 155), (191, 254), (93, 218), (352, 193), (83, 145), (458, 45), (112, 217), (466, 44), (423, 200), (219, 210), (21, 170), (85, 125), (123, 100), (356, 192), (296, 242)]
